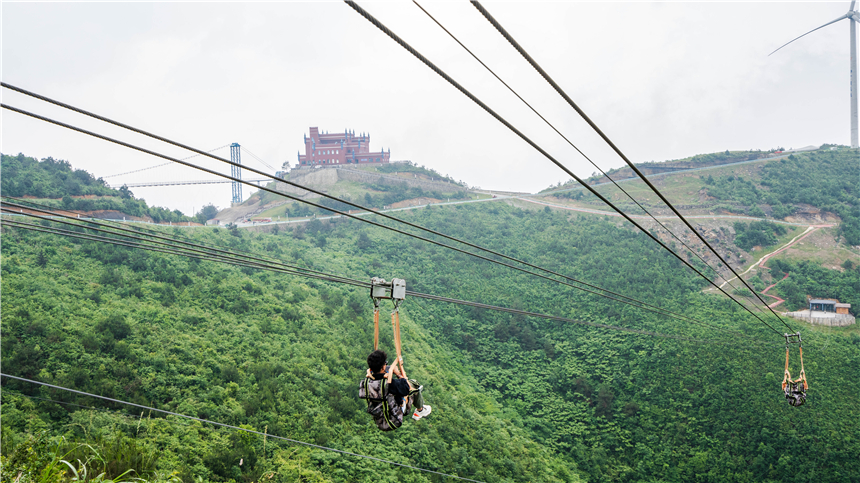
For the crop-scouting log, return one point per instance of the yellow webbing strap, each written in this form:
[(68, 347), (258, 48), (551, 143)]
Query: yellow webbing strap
[(375, 328), (787, 375)]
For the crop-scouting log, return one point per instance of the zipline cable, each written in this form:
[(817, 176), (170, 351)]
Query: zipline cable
[(638, 303), (664, 227), (384, 215), (291, 267), (180, 252), (218, 258), (154, 235), (236, 428), (187, 252), (534, 145), (143, 230), (349, 215), (615, 148)]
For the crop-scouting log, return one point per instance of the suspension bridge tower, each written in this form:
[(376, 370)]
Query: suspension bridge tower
[(236, 171)]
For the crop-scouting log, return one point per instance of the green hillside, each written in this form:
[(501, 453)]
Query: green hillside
[(394, 185), (514, 398), (55, 183)]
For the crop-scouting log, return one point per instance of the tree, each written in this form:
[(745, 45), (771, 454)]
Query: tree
[(364, 241), (206, 213)]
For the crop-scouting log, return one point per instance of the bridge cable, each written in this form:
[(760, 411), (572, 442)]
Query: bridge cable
[(571, 143), (236, 428), (641, 305), (349, 215), (615, 148), (243, 148), (163, 164), (525, 138)]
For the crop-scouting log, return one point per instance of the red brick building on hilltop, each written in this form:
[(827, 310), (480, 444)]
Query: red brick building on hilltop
[(324, 149)]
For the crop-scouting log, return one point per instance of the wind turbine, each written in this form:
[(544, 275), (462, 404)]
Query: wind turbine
[(852, 16)]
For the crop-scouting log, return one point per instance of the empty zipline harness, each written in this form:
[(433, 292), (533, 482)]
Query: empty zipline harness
[(795, 390)]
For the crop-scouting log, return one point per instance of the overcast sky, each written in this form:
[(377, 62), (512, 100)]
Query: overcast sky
[(663, 80)]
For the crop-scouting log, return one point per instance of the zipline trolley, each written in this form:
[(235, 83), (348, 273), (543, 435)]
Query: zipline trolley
[(395, 291), (795, 390)]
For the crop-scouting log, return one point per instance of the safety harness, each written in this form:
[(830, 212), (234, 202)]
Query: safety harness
[(795, 389), (381, 404)]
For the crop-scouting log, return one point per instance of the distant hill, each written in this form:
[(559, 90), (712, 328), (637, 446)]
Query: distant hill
[(56, 183), (49, 178)]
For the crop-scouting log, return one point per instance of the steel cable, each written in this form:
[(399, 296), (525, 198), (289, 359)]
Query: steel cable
[(236, 428), (349, 215), (163, 164), (534, 145), (291, 267), (413, 225), (615, 148), (337, 279), (596, 166)]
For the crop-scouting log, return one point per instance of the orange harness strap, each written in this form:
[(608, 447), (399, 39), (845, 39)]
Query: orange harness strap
[(802, 372), (376, 328), (395, 323)]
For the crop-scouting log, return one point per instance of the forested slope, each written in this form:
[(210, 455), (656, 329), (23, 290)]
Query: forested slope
[(61, 186), (514, 398)]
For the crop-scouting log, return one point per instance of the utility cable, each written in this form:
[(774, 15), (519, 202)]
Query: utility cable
[(268, 262), (350, 203), (338, 279), (349, 215), (615, 148), (236, 428), (511, 89), (534, 145)]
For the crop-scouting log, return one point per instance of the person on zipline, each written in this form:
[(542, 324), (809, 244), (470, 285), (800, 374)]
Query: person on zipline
[(380, 388)]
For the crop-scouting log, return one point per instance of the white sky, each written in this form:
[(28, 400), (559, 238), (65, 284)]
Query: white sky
[(663, 80)]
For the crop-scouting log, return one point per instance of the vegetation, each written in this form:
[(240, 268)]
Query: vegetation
[(410, 167), (808, 279), (824, 179), (514, 398), (757, 233), (49, 178), (64, 187)]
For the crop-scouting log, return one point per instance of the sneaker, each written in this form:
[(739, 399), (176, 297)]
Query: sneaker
[(420, 414)]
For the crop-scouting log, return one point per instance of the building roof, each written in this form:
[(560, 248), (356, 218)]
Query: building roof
[(843, 306), (822, 301)]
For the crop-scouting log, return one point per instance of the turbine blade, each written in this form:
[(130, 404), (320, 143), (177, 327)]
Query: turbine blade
[(852, 6), (813, 30)]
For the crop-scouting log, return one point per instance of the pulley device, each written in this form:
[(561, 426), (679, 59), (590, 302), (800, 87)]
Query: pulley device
[(795, 390), (395, 290)]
